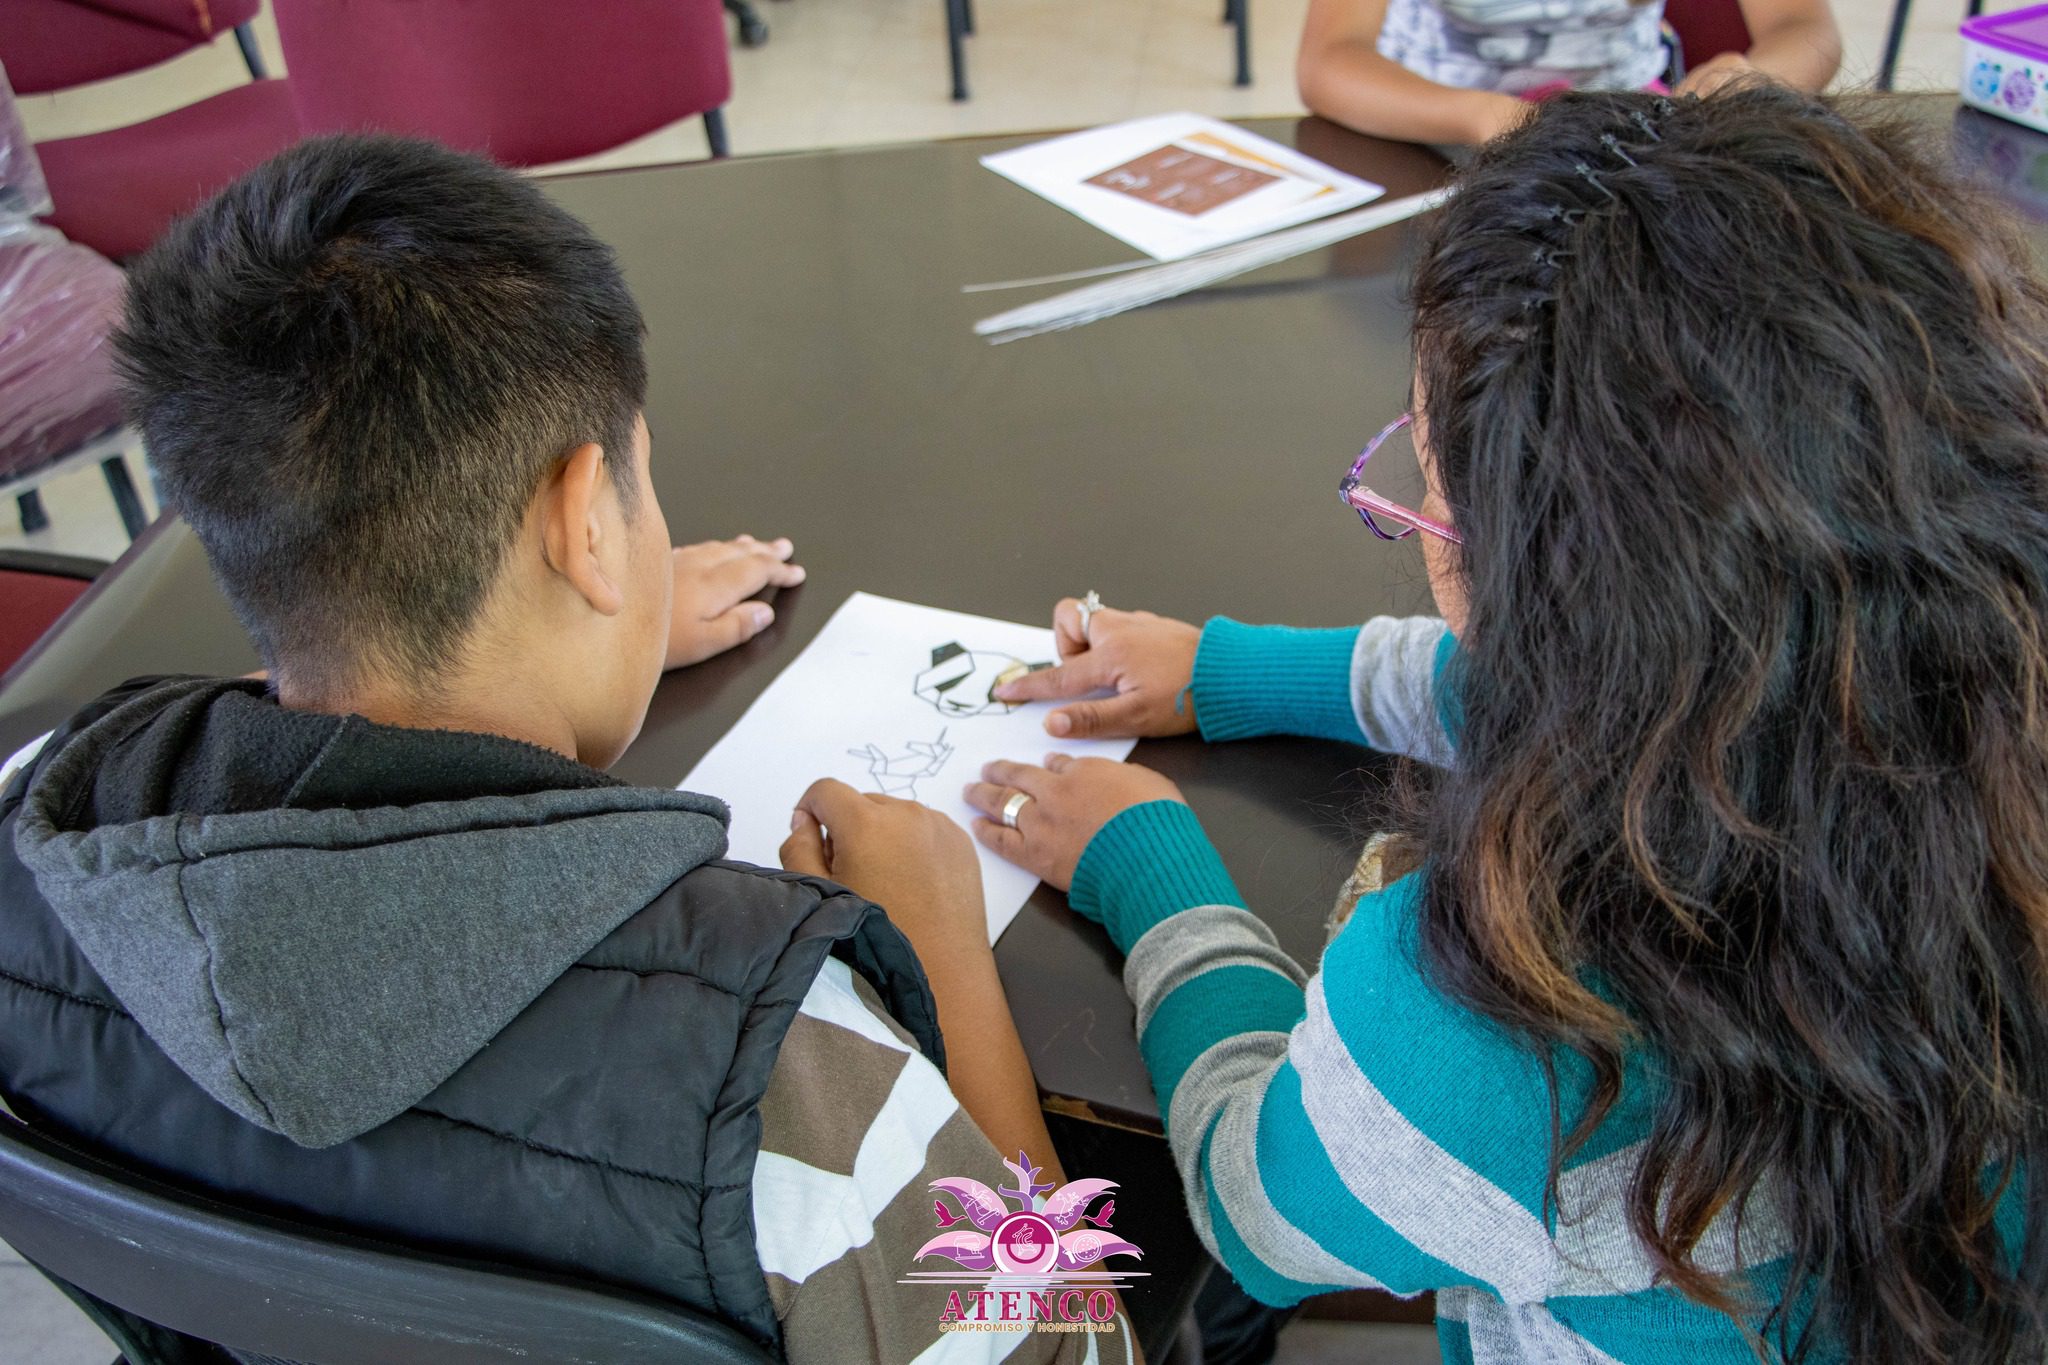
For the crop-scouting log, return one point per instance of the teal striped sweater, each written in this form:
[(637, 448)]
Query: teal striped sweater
[(1355, 1126)]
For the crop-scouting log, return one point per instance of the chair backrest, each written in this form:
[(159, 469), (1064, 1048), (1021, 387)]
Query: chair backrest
[(38, 588), (523, 81), (56, 44), (1707, 28), (261, 1287)]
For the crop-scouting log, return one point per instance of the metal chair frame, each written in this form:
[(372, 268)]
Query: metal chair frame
[(1895, 38), (169, 1273), (252, 55), (110, 452)]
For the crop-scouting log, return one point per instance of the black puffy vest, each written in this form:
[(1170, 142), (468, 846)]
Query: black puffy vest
[(608, 1133)]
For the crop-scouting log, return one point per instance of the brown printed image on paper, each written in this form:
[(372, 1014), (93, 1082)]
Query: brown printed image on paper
[(1184, 181)]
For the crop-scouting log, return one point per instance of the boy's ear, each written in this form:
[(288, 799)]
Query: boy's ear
[(573, 530)]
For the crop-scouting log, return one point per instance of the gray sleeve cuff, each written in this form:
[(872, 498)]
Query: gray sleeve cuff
[(1393, 687)]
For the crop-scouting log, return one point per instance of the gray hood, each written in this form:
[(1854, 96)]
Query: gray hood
[(319, 971)]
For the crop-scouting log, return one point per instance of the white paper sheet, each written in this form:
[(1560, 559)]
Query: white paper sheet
[(890, 697), (1175, 184)]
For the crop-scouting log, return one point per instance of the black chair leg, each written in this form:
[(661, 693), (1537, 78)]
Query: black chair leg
[(957, 27), (1894, 38), (33, 517), (252, 55), (1244, 41), (967, 17), (126, 500), (714, 133), (753, 29)]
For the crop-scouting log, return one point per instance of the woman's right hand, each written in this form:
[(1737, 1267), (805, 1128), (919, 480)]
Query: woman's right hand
[(1148, 661)]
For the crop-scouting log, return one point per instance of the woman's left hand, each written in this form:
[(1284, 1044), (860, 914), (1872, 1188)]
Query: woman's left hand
[(1071, 800)]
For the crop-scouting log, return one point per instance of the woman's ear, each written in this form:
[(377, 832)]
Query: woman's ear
[(573, 529)]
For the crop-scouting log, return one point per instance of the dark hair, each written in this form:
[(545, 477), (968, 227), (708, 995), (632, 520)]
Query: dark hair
[(352, 368), (1741, 407)]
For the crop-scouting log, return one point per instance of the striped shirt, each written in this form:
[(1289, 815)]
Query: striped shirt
[(855, 1125), (1356, 1127)]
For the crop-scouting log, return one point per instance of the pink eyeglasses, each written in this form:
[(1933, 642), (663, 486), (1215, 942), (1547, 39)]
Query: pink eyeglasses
[(1370, 505)]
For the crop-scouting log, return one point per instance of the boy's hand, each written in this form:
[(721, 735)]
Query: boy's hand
[(1147, 660), (1071, 800), (713, 582), (909, 859)]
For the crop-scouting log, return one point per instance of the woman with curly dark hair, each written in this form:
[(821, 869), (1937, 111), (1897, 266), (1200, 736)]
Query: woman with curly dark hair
[(1714, 1024)]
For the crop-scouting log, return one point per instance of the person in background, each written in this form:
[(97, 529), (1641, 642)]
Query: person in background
[(1711, 1022), (1457, 72), (375, 942)]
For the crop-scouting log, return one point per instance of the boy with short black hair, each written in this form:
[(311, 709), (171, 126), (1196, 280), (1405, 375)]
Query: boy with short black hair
[(377, 943)]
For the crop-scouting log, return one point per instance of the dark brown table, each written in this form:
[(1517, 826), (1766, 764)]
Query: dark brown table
[(814, 375)]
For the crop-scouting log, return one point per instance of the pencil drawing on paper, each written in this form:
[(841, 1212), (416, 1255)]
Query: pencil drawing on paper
[(962, 682), (899, 774)]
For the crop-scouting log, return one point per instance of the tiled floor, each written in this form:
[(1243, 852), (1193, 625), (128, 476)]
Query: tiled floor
[(42, 1326), (844, 73)]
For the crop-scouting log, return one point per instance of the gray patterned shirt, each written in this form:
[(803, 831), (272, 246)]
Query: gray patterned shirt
[(1519, 45)]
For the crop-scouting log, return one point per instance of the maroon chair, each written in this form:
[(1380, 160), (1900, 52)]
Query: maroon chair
[(1706, 28), (524, 82), (38, 588), (56, 44), (115, 191)]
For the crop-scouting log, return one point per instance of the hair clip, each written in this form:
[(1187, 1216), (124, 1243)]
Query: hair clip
[(1613, 144), (1587, 171), (1548, 256), (1558, 213), (1642, 121)]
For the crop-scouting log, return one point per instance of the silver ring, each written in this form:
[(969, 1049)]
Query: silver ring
[(1089, 606), (1016, 803)]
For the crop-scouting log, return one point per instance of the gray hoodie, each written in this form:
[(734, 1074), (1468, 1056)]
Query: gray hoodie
[(319, 964)]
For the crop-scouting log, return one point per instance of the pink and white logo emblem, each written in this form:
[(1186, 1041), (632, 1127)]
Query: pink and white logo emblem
[(1033, 1266), (1032, 1239)]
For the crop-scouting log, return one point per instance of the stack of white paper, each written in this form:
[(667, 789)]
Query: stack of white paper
[(1175, 184)]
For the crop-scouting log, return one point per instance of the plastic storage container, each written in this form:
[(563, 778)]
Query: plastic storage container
[(2005, 65)]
